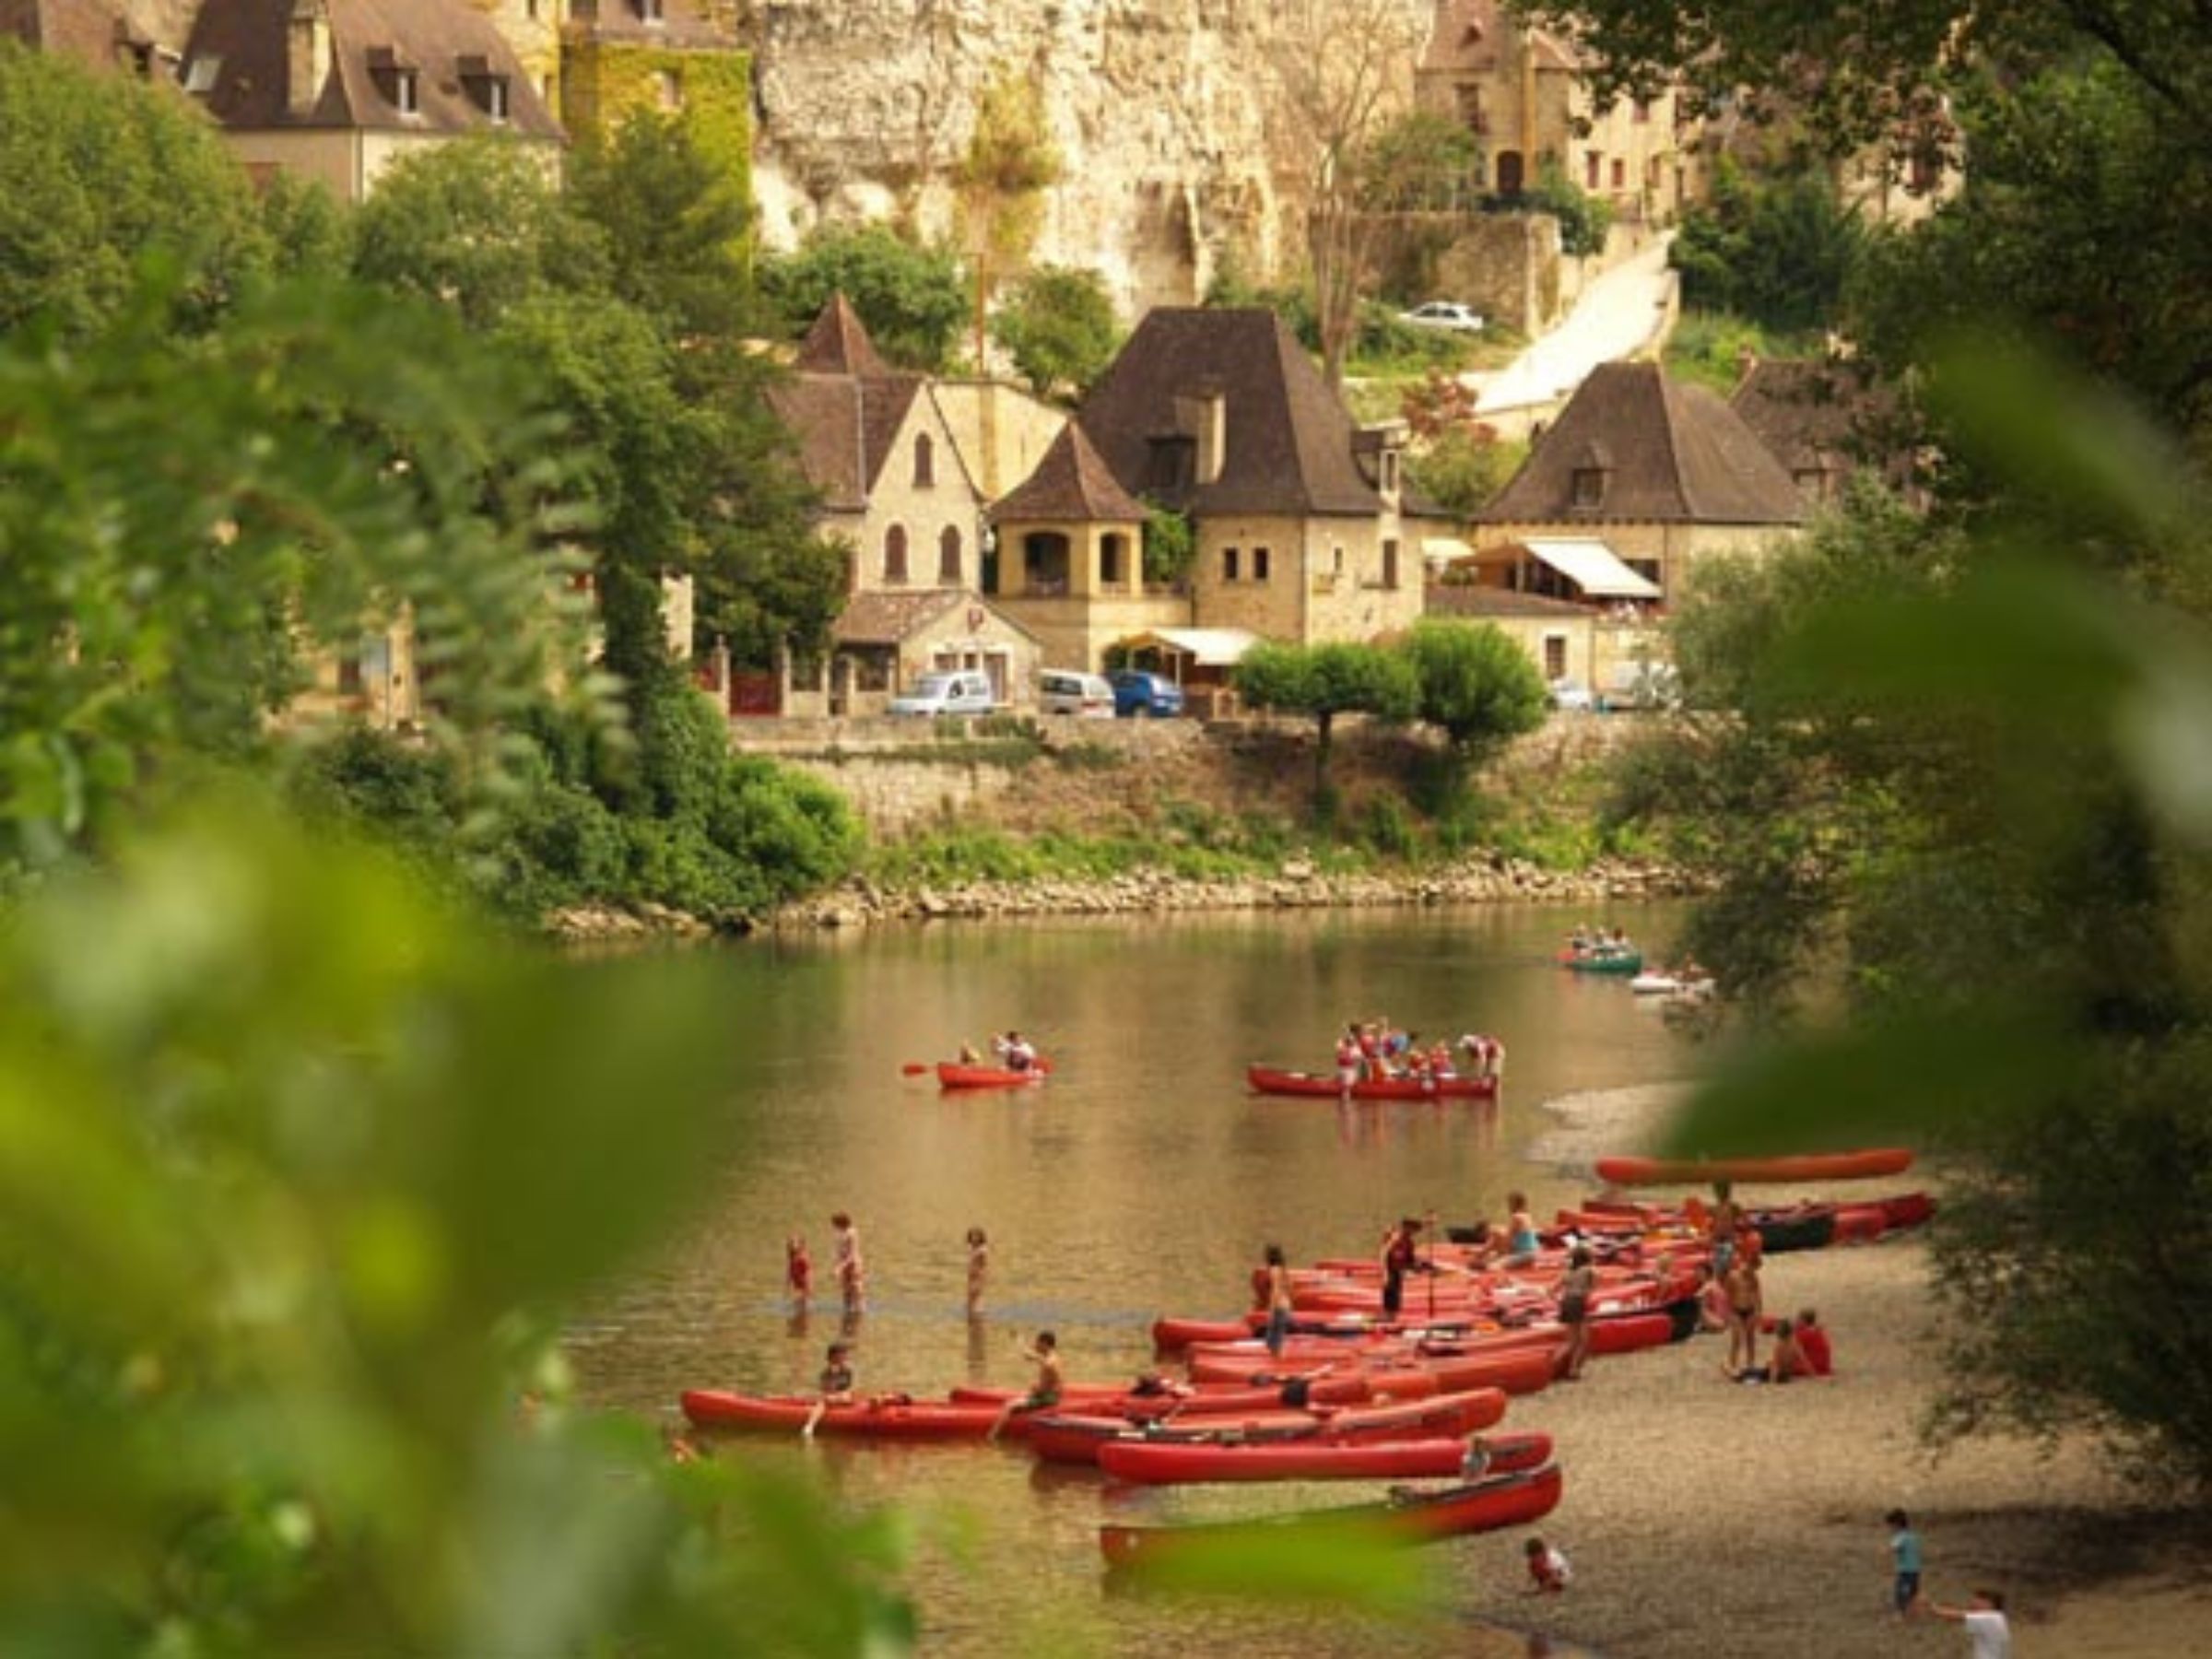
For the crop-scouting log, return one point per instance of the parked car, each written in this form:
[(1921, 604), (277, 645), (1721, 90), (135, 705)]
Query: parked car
[(1572, 694), (1141, 696), (1088, 696), (1444, 314), (955, 691)]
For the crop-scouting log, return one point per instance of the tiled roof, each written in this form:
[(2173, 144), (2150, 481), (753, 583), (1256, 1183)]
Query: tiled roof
[(1071, 485), (845, 426), (886, 618), (838, 343), (1821, 415), (1288, 441), (1477, 37), (448, 43), (1472, 600), (1671, 454), (86, 30)]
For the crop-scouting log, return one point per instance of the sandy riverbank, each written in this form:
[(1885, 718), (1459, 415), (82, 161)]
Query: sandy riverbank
[(1704, 1516)]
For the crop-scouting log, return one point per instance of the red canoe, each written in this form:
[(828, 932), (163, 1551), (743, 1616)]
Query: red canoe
[(1408, 1518), (1076, 1437), (887, 1417), (1809, 1167), (1170, 1463), (952, 1075), (1517, 1370), (1271, 1080)]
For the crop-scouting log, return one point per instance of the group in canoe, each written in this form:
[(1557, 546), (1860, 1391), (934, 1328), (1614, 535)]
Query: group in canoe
[(1594, 950), (1014, 1062), (1376, 1061)]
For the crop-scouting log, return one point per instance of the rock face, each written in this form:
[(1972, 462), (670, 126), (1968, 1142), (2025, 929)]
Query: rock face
[(1168, 115)]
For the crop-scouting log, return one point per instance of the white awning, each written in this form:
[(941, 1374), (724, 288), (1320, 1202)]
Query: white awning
[(1444, 549), (1593, 567), (1207, 647)]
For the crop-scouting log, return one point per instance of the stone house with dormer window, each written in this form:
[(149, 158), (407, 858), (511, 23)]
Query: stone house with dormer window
[(338, 90), (1299, 516)]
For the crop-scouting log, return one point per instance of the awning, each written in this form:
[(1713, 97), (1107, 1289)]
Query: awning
[(1207, 647), (1444, 549), (1593, 567)]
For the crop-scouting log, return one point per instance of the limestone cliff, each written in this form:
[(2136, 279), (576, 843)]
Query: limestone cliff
[(1167, 112)]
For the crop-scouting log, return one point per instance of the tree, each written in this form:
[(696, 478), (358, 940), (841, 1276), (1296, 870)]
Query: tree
[(1323, 681), (674, 225), (103, 174), (1001, 179), (1475, 683), (477, 225), (1778, 251), (1584, 219), (910, 297), (1059, 327), (1343, 69)]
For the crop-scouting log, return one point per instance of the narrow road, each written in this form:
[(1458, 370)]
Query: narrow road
[(1617, 314)]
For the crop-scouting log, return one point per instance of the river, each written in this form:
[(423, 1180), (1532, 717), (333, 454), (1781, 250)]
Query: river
[(1141, 1179)]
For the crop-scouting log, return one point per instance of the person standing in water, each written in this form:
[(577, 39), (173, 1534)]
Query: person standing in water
[(979, 1269), (852, 1273)]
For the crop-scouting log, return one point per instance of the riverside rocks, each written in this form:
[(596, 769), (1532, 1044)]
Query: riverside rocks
[(1298, 884)]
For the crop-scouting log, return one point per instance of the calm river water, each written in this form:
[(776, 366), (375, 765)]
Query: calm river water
[(1142, 1179)]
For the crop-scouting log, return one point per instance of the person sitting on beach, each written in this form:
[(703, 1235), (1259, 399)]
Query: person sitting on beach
[(1521, 1241), (834, 1387), (1548, 1568), (1785, 1360), (1812, 1342), (1044, 1391)]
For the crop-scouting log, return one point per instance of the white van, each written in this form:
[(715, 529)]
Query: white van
[(948, 692), (1087, 696)]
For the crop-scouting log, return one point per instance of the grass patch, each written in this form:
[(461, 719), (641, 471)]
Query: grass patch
[(1708, 348)]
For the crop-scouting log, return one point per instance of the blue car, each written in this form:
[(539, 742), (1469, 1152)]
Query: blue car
[(1141, 696)]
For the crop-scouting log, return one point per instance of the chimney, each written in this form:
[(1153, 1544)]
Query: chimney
[(1203, 414), (306, 57)]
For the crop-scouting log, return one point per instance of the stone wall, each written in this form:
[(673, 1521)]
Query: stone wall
[(1101, 777)]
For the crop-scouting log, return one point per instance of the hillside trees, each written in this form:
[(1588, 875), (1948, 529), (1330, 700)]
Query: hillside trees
[(912, 298), (1476, 685), (1059, 327), (1780, 252)]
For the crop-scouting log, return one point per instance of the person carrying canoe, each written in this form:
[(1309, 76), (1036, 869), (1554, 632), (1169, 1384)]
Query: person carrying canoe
[(834, 1387), (1044, 1391)]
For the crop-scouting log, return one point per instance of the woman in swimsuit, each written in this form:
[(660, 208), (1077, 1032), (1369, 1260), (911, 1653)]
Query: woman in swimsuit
[(1746, 1303)]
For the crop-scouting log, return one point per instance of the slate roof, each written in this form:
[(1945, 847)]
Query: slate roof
[(845, 426), (1822, 416), (1473, 599), (88, 32), (1673, 453), (1289, 447), (1471, 36), (1071, 485), (447, 43), (838, 343)]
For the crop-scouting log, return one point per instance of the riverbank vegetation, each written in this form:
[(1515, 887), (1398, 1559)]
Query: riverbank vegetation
[(1961, 753)]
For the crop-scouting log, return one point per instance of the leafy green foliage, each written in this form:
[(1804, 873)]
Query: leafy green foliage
[(1464, 467), (1711, 349), (674, 224), (271, 1287), (1323, 681), (911, 298), (1474, 684), (1000, 180), (104, 175), (1584, 219), (190, 521), (1060, 328), (1778, 251), (1171, 545), (1418, 162)]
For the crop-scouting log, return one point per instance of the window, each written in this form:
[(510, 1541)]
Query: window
[(1592, 162), (1229, 564), (1390, 563), (1390, 471), (1554, 656), (1643, 116), (350, 680), (1337, 562), (1259, 564), (1589, 486), (949, 557), (1471, 112), (488, 93), (406, 97), (1113, 550), (894, 555), (668, 90), (1620, 173), (200, 74), (924, 462), (649, 11)]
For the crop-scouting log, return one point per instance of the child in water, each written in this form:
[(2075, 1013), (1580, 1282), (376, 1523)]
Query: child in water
[(798, 1269)]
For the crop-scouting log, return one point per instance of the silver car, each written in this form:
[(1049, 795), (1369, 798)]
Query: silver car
[(948, 691)]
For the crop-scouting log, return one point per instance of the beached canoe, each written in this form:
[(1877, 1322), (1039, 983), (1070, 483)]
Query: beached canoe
[(888, 1416), (1275, 1080), (1403, 1518), (952, 1075), (1517, 1370), (1808, 1167), (1166, 1463), (1076, 1436)]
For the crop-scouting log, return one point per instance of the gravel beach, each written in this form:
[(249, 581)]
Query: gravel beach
[(1704, 1516)]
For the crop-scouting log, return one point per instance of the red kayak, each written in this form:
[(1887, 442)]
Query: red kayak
[(1076, 1437), (1805, 1166), (1404, 1518), (1271, 1080), (1168, 1463), (951, 1073), (887, 1416)]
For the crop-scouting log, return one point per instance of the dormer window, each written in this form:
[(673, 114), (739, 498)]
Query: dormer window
[(201, 73), (396, 83), (487, 88), (649, 11), (1589, 490)]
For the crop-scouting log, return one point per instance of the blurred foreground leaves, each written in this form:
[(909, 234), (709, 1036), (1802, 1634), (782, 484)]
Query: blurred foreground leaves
[(291, 1164)]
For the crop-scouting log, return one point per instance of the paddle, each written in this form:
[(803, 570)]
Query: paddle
[(915, 1068)]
